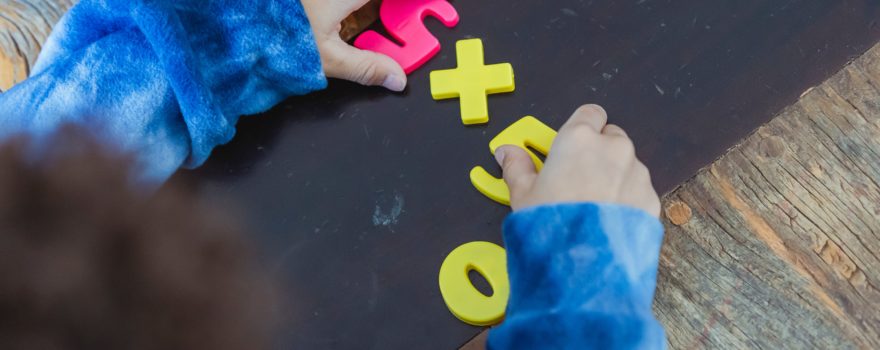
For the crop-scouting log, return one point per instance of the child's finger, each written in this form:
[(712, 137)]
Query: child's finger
[(365, 67), (518, 167), (613, 130), (593, 116)]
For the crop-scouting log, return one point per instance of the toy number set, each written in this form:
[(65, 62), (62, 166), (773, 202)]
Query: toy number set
[(471, 82)]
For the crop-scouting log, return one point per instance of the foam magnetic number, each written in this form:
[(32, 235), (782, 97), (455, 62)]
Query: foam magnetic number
[(461, 297), (526, 132), (404, 20)]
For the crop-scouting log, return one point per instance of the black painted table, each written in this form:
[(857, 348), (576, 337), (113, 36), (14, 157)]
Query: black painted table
[(356, 195)]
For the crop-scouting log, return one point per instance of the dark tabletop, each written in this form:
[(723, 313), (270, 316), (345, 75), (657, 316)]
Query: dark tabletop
[(317, 178)]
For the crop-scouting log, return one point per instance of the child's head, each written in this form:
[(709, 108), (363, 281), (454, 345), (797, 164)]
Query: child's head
[(86, 263)]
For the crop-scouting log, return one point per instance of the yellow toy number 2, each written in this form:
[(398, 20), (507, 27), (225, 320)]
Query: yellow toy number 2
[(526, 132), (466, 302)]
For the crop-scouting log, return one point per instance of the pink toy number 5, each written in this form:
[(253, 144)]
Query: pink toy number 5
[(404, 20)]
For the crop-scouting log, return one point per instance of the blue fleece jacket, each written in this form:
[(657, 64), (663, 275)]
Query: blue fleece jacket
[(582, 276), (167, 81)]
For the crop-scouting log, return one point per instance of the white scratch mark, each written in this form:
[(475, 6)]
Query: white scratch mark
[(659, 89)]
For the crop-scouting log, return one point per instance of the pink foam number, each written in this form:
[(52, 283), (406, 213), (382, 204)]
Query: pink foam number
[(404, 20)]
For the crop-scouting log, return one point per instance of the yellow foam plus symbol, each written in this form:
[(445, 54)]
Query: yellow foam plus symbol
[(526, 132), (472, 81)]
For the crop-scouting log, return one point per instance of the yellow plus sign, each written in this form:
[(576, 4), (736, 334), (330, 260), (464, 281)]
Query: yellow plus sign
[(472, 81)]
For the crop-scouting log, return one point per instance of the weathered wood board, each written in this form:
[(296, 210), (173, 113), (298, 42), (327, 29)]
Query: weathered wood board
[(782, 249), (24, 25)]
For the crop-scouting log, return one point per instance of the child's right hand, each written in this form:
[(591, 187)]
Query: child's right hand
[(590, 161)]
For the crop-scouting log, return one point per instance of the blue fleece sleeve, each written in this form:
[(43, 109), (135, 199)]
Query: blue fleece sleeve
[(165, 80), (582, 276)]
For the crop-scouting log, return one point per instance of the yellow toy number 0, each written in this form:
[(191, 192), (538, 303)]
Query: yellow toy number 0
[(461, 297)]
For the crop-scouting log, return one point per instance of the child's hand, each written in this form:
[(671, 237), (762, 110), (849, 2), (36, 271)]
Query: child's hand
[(590, 161), (344, 61)]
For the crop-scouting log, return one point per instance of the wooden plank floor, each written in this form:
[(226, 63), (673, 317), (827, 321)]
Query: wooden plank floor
[(775, 245)]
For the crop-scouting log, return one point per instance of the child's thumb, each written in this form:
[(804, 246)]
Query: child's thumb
[(366, 68), (518, 167)]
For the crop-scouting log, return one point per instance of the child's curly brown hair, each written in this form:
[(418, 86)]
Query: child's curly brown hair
[(88, 263)]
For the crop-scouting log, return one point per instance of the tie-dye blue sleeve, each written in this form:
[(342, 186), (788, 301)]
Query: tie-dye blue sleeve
[(164, 80), (582, 276)]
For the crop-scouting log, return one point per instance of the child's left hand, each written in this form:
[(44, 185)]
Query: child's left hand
[(344, 61)]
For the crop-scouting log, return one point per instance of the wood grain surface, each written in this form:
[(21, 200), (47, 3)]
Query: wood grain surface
[(782, 246), (24, 26)]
